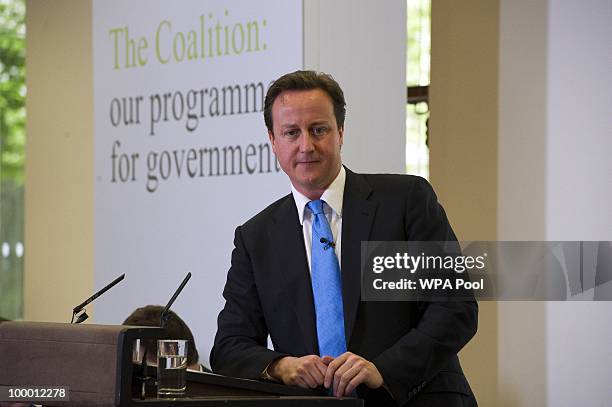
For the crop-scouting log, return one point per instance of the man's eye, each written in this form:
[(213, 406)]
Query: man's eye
[(319, 130), (292, 133)]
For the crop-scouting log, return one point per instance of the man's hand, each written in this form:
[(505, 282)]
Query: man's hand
[(307, 371), (348, 371)]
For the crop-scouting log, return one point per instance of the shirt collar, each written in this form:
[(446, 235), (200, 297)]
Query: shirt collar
[(333, 196)]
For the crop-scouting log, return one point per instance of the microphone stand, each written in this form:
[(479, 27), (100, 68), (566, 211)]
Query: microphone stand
[(83, 316), (162, 321)]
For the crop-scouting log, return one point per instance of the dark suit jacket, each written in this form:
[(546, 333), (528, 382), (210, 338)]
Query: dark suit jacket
[(268, 291)]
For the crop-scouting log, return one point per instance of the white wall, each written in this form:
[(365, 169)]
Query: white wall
[(579, 191), (59, 159), (363, 45), (521, 188), (555, 99)]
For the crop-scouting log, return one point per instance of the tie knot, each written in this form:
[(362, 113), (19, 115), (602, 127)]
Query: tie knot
[(316, 207)]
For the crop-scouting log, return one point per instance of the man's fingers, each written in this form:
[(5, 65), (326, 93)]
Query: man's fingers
[(310, 381), (308, 370), (327, 360), (321, 368), (344, 380), (344, 374), (359, 369), (356, 381), (316, 368), (302, 377), (332, 367), (349, 371), (300, 382)]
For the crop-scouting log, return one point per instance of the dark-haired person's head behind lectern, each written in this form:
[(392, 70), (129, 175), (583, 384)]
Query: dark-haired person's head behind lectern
[(175, 326)]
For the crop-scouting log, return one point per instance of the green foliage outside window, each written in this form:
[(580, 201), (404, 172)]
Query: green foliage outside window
[(418, 42), (12, 90), (418, 62), (12, 155)]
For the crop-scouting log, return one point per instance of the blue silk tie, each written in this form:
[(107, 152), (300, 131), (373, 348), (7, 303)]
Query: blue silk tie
[(326, 285)]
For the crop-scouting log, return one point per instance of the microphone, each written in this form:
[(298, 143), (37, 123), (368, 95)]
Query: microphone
[(164, 314), (327, 243), (162, 321), (82, 305)]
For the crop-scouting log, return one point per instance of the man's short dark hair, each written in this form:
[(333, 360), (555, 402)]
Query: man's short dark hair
[(306, 80), (175, 327)]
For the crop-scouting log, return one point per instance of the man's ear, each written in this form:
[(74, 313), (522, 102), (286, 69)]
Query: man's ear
[(341, 132), (271, 138)]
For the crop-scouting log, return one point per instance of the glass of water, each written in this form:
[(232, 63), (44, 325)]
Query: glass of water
[(171, 368)]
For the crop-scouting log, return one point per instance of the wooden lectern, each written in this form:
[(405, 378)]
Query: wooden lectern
[(95, 362)]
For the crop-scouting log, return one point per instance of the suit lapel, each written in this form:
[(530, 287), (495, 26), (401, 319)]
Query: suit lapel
[(288, 238), (357, 217)]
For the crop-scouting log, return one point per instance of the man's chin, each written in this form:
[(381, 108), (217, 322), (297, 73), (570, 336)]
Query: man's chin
[(308, 174), (310, 182)]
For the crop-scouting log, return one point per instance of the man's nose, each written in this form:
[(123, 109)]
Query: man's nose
[(306, 143)]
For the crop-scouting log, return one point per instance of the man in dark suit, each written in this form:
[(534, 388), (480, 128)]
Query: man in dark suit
[(390, 353)]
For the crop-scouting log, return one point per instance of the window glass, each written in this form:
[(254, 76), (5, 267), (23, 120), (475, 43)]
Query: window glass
[(417, 81), (12, 156)]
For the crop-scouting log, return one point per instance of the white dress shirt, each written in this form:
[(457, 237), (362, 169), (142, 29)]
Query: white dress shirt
[(333, 197)]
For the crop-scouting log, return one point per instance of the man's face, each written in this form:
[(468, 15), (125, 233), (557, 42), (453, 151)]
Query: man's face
[(306, 139)]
